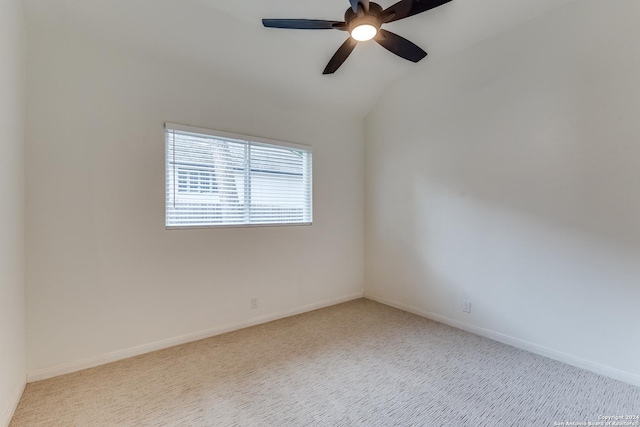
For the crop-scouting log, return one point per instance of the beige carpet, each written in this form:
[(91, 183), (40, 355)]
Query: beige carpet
[(355, 364)]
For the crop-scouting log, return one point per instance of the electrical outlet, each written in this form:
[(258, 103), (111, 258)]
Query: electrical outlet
[(466, 306), (254, 302)]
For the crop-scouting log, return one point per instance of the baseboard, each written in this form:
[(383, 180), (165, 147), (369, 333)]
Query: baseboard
[(92, 362), (578, 362), (13, 404)]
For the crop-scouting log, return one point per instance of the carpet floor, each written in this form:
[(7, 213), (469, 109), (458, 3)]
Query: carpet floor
[(355, 364)]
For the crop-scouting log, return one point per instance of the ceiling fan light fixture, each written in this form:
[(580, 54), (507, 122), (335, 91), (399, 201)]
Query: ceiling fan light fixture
[(363, 21), (364, 32)]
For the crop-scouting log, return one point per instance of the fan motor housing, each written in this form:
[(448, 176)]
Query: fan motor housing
[(374, 12)]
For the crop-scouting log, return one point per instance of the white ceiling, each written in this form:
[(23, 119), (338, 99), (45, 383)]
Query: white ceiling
[(227, 37)]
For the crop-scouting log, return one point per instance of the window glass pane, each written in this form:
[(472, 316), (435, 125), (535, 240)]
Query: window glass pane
[(222, 181)]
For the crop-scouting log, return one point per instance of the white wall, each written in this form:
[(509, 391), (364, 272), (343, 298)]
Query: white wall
[(103, 274), (509, 175), (12, 310)]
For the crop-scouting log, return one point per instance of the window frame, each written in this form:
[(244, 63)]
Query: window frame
[(240, 137)]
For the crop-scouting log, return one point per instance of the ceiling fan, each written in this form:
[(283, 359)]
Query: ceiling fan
[(363, 21)]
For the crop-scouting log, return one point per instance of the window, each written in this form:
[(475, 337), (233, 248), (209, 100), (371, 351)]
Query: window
[(219, 179)]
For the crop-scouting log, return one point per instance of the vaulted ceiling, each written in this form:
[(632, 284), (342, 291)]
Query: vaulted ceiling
[(227, 37)]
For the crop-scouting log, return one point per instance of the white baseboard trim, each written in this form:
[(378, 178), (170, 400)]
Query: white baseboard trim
[(578, 362), (67, 368), (13, 404)]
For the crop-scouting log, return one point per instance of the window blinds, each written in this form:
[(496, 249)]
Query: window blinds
[(219, 179)]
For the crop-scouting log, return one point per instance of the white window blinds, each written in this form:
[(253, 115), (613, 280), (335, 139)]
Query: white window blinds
[(218, 179)]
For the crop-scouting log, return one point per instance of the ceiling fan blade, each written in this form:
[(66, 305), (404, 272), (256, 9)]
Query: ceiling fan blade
[(400, 46), (303, 24), (354, 5), (340, 56), (405, 8)]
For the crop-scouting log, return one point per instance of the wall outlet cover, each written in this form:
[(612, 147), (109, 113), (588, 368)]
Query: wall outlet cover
[(466, 306)]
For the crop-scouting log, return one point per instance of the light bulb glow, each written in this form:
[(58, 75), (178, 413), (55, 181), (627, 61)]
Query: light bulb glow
[(364, 32)]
